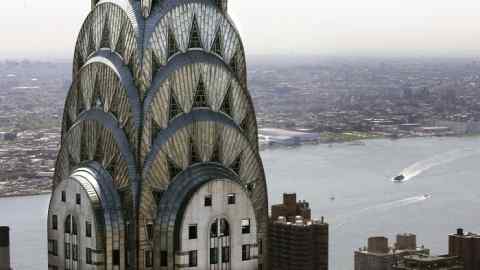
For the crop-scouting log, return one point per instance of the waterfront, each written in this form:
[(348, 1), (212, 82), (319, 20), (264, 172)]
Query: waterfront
[(359, 177)]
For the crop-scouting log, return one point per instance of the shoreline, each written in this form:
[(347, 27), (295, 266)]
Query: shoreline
[(356, 139), (32, 194)]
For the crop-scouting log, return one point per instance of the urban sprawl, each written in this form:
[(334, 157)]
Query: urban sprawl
[(314, 100)]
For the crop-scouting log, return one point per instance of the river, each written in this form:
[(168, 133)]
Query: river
[(441, 192)]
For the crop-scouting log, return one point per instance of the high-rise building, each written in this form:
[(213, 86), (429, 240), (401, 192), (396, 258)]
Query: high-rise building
[(467, 247), (4, 248), (296, 241), (378, 255), (159, 165)]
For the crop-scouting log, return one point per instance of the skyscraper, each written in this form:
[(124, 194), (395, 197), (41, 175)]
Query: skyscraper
[(159, 165)]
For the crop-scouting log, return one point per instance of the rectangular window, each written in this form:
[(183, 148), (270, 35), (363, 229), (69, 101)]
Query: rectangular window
[(225, 254), (192, 231), (231, 198), (55, 222), (245, 252), (67, 250), (148, 258), (245, 226), (74, 252), (78, 199), (260, 247), (53, 247), (88, 229), (208, 201), (150, 231), (89, 256), (52, 267), (163, 258), (116, 257), (213, 255), (64, 196), (192, 258)]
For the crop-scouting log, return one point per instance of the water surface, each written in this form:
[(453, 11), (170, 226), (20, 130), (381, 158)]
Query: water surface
[(442, 192)]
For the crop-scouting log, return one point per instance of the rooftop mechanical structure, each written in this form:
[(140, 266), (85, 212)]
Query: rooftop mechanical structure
[(159, 165)]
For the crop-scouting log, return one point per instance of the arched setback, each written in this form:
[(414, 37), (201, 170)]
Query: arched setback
[(216, 200), (178, 201), (105, 79), (87, 199)]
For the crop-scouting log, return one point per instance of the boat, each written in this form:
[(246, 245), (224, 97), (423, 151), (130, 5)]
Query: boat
[(399, 178)]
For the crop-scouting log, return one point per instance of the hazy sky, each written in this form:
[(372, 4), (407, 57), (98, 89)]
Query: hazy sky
[(48, 28)]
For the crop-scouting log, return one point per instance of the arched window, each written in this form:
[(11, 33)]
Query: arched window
[(71, 243), (219, 251)]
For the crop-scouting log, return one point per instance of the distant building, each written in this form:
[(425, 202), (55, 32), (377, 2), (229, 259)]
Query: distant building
[(426, 262), (380, 256), (8, 136), (467, 247), (276, 136), (296, 241), (290, 208), (4, 248)]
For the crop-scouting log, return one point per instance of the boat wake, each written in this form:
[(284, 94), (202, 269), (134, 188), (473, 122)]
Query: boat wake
[(425, 165), (383, 207)]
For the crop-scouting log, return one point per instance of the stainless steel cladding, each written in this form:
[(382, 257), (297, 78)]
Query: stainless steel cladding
[(158, 117)]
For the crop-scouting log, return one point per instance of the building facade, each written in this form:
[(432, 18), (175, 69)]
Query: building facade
[(159, 165), (378, 255), (467, 247), (296, 241), (4, 248), (426, 262)]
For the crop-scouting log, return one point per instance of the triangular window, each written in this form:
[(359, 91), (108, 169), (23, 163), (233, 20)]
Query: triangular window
[(244, 124), (173, 169), (97, 99), (99, 153), (225, 108), (236, 164), (105, 35), (195, 157), (120, 46), (195, 39), (155, 64), (172, 43), (174, 107), (233, 64), (219, 4), (111, 169), (217, 44), (154, 131), (200, 95), (216, 152)]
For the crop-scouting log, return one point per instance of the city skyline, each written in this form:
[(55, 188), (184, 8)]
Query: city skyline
[(378, 28)]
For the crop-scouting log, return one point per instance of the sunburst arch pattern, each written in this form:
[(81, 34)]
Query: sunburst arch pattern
[(159, 87)]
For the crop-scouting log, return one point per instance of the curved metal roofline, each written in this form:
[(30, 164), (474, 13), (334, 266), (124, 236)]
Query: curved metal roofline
[(196, 115), (115, 63), (107, 120), (180, 60)]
